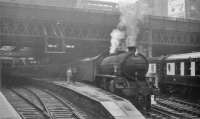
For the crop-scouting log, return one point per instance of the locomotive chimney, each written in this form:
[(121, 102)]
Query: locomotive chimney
[(131, 43), (132, 49)]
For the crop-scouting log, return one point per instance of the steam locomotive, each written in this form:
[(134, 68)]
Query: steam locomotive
[(121, 73), (177, 74)]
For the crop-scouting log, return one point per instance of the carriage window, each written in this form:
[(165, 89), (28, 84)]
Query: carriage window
[(197, 68), (152, 68), (182, 69), (170, 68), (187, 68), (178, 71), (192, 72)]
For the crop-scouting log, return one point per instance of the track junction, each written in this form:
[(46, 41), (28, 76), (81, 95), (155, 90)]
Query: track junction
[(34, 103), (172, 108)]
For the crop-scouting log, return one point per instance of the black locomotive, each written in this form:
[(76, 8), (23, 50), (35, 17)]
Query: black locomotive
[(177, 74), (121, 73)]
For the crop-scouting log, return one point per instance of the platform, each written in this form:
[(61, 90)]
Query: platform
[(118, 107), (6, 109)]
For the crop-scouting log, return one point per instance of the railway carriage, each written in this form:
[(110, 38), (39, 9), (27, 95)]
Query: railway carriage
[(179, 74)]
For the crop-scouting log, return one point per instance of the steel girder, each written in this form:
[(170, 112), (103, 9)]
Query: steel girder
[(34, 29)]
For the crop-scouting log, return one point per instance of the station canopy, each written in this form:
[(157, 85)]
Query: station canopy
[(12, 51)]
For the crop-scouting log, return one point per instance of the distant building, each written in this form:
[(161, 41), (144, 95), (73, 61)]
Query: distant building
[(188, 9), (159, 7), (176, 8), (193, 9)]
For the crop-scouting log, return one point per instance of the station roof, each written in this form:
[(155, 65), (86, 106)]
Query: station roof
[(9, 52), (101, 5)]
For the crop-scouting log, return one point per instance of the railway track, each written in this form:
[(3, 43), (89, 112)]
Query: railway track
[(174, 109), (32, 103), (25, 108)]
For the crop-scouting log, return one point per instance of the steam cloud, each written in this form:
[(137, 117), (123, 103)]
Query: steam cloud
[(132, 14), (116, 37)]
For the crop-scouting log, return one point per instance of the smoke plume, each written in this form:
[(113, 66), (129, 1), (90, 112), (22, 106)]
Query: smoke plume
[(132, 14), (116, 39)]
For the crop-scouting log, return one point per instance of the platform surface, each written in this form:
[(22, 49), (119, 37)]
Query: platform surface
[(119, 107), (6, 109)]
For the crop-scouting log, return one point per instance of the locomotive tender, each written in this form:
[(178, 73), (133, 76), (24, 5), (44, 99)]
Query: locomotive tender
[(120, 73), (177, 74)]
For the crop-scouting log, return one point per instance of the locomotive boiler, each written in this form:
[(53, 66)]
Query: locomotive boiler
[(121, 73)]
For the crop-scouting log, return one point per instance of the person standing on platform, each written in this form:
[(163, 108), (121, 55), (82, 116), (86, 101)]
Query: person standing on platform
[(68, 74), (74, 74)]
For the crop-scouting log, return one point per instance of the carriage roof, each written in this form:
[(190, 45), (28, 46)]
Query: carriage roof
[(90, 58), (184, 56)]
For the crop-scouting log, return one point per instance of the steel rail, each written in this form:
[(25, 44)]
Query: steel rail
[(30, 102), (51, 116), (165, 114), (180, 105), (75, 112), (67, 111), (172, 112)]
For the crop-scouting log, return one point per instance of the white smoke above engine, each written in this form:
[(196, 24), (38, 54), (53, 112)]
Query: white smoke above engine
[(132, 14), (116, 37)]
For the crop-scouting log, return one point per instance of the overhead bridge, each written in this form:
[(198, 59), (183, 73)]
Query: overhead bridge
[(78, 22)]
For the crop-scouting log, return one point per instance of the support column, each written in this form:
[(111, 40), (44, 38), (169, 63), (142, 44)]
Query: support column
[(0, 75), (150, 51), (150, 43)]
